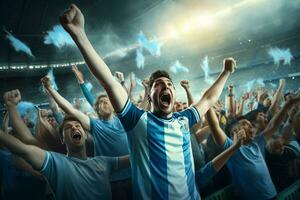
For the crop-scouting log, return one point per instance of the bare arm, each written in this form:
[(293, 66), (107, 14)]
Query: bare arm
[(123, 162), (32, 154), (131, 87), (120, 77), (241, 108), (217, 132), (66, 105), (279, 117), (220, 160), (231, 100), (186, 86), (73, 22), (200, 132), (145, 102), (277, 97), (212, 95), (42, 115), (12, 98)]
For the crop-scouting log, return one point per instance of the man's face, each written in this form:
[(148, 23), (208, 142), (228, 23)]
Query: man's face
[(104, 107), (247, 127), (261, 120), (178, 106), (162, 96), (267, 102), (73, 134)]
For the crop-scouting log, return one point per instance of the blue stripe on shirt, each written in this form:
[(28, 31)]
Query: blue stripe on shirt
[(187, 162)]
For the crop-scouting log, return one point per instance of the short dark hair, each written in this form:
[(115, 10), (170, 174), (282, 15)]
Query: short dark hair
[(65, 120), (100, 96), (232, 123), (157, 74)]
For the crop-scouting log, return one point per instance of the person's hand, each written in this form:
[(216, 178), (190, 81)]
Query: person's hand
[(185, 84), (229, 65), (119, 76), (12, 98), (282, 82), (43, 113), (46, 82), (246, 96), (78, 74), (261, 95), (72, 20), (239, 138)]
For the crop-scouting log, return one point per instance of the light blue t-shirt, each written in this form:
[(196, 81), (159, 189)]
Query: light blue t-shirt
[(160, 153), (250, 174), (110, 139), (76, 179), (205, 174)]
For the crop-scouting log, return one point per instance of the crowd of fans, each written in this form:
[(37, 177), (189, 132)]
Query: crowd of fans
[(151, 146)]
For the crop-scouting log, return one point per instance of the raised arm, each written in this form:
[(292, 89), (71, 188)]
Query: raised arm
[(80, 78), (66, 105), (120, 77), (32, 154), (220, 160), (242, 104), (213, 122), (186, 86), (231, 101), (132, 86), (57, 113), (44, 124), (73, 22), (145, 102), (279, 117), (277, 97), (212, 95), (11, 99)]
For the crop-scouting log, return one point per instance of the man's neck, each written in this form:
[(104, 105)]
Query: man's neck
[(162, 114), (106, 117), (79, 153)]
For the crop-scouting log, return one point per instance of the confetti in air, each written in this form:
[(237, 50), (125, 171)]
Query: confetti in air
[(140, 59), (52, 79), (206, 69), (27, 111), (18, 44), (152, 46), (177, 67), (58, 37), (281, 55)]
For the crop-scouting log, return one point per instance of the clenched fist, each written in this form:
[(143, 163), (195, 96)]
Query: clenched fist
[(73, 20), (229, 65), (46, 82), (12, 98)]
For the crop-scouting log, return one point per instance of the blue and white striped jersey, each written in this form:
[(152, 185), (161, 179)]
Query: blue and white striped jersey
[(160, 153)]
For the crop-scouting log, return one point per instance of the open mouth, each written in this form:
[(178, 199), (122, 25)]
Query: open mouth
[(76, 136), (165, 99)]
